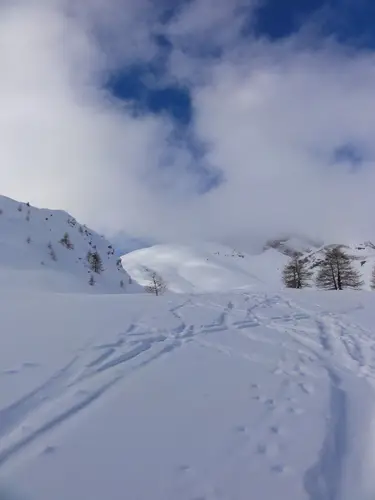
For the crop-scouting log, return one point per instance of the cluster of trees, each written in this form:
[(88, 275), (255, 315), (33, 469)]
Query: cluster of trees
[(335, 272)]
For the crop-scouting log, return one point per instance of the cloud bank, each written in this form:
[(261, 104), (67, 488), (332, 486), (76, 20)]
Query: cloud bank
[(271, 115)]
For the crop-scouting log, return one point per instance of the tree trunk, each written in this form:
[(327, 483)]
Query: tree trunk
[(333, 276)]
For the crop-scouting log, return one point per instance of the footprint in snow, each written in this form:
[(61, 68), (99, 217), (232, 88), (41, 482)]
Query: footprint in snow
[(306, 388), (280, 469), (270, 403), (183, 468), (49, 450), (241, 429), (274, 429), (261, 449), (295, 411), (270, 450)]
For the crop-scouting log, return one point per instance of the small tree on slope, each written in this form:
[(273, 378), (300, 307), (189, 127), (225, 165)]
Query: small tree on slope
[(336, 272), (157, 284), (373, 279), (95, 262), (65, 241), (52, 252), (296, 274)]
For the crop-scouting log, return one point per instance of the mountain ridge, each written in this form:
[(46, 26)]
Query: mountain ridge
[(211, 267), (50, 249)]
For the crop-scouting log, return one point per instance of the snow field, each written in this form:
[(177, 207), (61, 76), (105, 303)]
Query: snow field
[(217, 396)]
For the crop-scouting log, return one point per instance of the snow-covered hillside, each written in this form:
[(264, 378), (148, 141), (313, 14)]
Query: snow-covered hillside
[(294, 244), (363, 257), (206, 267), (252, 392), (32, 255), (216, 397), (210, 267)]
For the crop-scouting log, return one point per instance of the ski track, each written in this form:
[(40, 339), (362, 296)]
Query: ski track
[(316, 336), (322, 480)]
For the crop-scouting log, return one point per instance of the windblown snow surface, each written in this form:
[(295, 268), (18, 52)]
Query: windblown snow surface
[(247, 395), (206, 267)]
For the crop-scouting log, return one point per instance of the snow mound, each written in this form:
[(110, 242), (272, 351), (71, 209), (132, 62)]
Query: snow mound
[(33, 256), (205, 267)]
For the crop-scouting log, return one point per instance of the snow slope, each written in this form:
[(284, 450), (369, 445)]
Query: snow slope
[(210, 267), (27, 235), (206, 267), (213, 397)]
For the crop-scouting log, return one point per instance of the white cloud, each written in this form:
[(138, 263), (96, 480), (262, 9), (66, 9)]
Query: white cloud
[(271, 114), (273, 118), (63, 141)]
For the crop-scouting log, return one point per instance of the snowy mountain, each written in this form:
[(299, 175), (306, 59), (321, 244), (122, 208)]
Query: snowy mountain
[(48, 249), (206, 267), (294, 245), (211, 267)]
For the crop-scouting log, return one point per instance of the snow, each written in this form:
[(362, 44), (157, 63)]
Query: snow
[(247, 394), (25, 261), (205, 267), (230, 389), (210, 267)]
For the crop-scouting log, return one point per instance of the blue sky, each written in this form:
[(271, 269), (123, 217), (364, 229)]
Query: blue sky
[(349, 21), (232, 121)]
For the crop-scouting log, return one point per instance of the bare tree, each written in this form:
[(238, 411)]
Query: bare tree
[(336, 271), (296, 274), (373, 279), (156, 283), (92, 280)]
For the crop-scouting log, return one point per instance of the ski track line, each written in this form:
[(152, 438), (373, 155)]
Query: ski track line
[(322, 481), (56, 390), (21, 444), (13, 415), (325, 333)]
